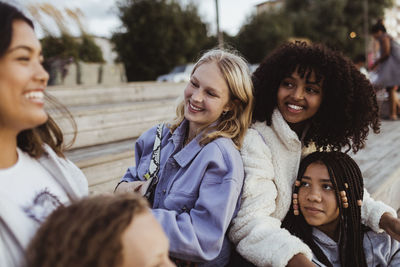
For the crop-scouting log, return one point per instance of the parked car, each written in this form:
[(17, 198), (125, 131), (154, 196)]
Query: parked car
[(180, 73)]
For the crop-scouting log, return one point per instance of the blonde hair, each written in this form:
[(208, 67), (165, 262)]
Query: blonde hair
[(234, 123)]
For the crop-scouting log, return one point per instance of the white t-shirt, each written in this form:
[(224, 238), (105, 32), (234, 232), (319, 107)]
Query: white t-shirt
[(31, 189)]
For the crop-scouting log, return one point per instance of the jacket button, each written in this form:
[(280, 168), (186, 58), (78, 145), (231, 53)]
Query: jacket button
[(164, 191)]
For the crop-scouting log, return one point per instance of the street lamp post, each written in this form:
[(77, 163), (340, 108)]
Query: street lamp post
[(366, 32), (219, 33)]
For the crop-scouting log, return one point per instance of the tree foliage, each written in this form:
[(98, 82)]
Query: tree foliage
[(88, 50), (67, 47), (261, 34), (158, 35), (332, 21), (325, 21)]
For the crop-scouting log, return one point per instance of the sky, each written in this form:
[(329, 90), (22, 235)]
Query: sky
[(101, 15)]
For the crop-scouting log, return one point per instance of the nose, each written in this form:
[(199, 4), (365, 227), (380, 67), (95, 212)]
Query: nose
[(197, 95), (314, 195), (41, 74), (298, 93)]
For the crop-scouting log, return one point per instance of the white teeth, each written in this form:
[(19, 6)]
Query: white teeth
[(295, 107), (193, 107), (34, 95)]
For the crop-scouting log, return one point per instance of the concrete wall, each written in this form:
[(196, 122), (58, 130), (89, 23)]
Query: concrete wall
[(92, 74)]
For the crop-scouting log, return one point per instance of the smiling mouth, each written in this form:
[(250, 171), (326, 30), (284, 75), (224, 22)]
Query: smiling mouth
[(35, 96), (194, 108), (295, 107)]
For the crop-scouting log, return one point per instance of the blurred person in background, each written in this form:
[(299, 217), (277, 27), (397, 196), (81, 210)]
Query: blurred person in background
[(387, 67)]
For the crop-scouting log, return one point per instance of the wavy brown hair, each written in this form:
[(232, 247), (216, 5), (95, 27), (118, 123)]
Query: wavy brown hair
[(348, 109), (236, 74), (32, 140), (86, 233)]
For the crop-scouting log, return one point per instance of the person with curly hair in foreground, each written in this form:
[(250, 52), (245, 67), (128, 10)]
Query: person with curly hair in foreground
[(100, 231), (307, 97)]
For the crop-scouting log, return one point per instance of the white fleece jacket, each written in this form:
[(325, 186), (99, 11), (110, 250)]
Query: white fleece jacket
[(271, 157)]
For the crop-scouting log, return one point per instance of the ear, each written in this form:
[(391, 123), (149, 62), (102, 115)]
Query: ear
[(231, 105)]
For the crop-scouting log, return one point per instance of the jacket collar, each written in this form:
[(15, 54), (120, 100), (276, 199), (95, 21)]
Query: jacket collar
[(322, 238), (188, 152), (281, 129)]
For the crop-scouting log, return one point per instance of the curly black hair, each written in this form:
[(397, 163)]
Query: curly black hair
[(348, 106)]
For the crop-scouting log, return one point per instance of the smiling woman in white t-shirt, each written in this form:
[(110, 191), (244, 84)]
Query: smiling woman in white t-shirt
[(35, 178)]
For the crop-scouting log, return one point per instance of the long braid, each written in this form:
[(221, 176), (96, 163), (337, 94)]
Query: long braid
[(351, 175), (345, 176)]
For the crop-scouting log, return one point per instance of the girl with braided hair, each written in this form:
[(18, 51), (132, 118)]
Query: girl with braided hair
[(326, 214), (307, 97)]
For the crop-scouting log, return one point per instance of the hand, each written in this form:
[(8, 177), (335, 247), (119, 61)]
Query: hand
[(391, 225), (129, 187), (300, 260), (373, 67)]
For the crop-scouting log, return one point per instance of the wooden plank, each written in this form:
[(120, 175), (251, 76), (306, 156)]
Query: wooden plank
[(116, 94), (107, 171), (89, 156), (104, 188), (107, 135), (379, 162), (110, 124)]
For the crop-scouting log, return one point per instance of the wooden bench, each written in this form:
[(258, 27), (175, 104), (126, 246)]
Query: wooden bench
[(379, 162), (109, 119)]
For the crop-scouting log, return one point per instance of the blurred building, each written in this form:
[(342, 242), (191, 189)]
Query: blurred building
[(392, 20), (272, 5)]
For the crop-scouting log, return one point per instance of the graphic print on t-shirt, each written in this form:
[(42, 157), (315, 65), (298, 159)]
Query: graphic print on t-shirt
[(42, 205)]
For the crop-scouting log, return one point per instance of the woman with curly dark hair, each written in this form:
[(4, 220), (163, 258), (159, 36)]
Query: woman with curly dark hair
[(306, 97)]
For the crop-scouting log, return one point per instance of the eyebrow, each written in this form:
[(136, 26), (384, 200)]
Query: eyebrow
[(322, 180), (307, 81), (25, 47)]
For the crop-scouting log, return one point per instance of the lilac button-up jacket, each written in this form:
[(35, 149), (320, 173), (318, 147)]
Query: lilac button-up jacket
[(197, 195)]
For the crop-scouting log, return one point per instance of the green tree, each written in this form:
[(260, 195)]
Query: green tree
[(88, 50), (261, 34), (67, 47), (63, 47), (158, 35)]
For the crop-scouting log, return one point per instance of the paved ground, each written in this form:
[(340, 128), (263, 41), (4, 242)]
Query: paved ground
[(380, 163)]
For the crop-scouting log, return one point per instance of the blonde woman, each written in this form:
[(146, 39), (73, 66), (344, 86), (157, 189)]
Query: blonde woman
[(201, 171)]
